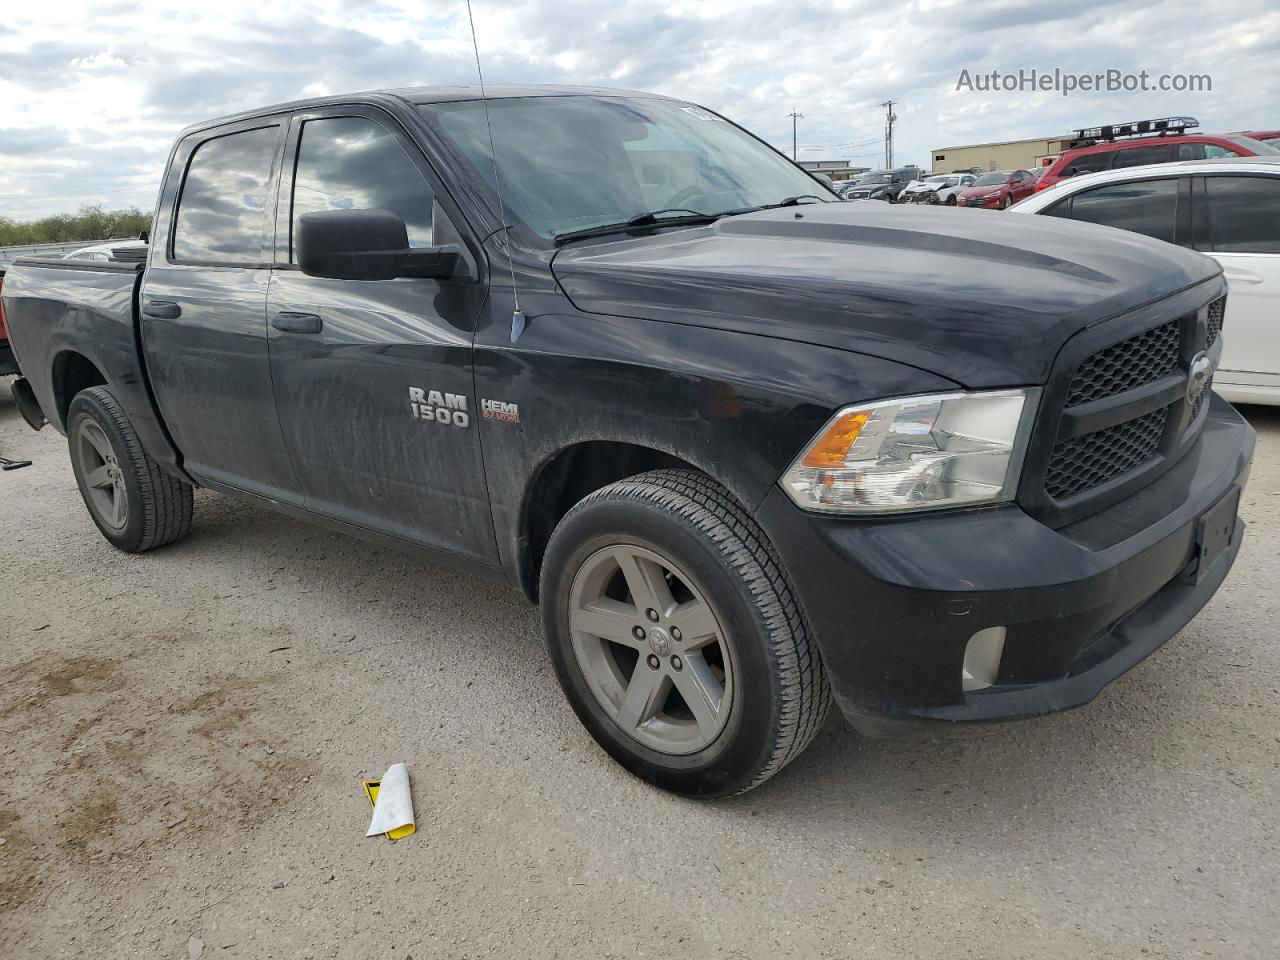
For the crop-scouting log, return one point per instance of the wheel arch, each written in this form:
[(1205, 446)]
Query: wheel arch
[(566, 477), (71, 373)]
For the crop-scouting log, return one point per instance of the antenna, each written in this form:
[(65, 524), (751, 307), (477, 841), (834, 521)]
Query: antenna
[(517, 316)]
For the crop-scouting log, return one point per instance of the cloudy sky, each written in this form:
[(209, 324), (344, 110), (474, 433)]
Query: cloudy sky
[(92, 94)]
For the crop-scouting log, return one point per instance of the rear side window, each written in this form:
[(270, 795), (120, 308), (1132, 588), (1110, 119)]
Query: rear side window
[(1244, 214), (1088, 163), (1137, 156), (352, 163), (1147, 206), (222, 213)]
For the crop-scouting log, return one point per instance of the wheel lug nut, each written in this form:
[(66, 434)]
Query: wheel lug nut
[(675, 633), (653, 662), (638, 632), (677, 663), (652, 614)]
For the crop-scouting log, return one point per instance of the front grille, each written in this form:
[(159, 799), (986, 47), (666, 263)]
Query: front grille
[(1217, 313), (1130, 363), (1085, 462)]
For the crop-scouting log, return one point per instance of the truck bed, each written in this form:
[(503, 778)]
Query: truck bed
[(70, 320)]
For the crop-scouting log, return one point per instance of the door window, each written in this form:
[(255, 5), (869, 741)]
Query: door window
[(1147, 206), (1244, 214), (1213, 151), (1137, 156), (353, 163), (222, 213)]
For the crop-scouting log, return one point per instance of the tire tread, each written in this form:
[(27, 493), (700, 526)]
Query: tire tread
[(706, 505), (167, 502)]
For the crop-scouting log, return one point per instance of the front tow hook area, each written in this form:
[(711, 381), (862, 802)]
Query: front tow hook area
[(27, 404)]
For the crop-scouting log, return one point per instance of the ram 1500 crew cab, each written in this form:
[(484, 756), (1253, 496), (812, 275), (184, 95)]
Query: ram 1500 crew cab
[(746, 446)]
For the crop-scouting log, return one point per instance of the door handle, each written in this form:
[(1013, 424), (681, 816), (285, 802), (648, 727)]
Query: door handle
[(297, 322), (162, 309)]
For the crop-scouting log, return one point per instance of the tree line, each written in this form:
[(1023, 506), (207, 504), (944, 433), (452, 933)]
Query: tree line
[(90, 223)]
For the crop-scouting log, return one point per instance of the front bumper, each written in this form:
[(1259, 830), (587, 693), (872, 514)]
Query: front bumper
[(893, 602)]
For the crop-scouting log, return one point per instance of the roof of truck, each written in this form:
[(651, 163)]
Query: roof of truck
[(420, 95)]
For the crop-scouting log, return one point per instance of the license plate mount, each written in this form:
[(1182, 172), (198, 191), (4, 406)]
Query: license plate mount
[(1216, 531)]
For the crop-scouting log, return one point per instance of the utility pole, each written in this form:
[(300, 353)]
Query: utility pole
[(794, 115), (889, 119)]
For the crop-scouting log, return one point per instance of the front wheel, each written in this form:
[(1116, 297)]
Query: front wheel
[(1007, 202), (676, 637)]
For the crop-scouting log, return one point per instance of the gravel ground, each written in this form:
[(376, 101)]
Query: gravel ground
[(182, 736)]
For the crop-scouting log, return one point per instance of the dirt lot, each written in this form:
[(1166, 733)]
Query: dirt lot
[(182, 736)]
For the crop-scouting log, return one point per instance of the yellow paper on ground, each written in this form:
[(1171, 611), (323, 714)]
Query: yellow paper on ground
[(371, 791)]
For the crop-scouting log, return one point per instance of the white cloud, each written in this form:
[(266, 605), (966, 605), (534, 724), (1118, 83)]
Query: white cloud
[(92, 93)]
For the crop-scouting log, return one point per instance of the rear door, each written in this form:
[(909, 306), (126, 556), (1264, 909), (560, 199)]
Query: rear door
[(373, 380), (204, 300), (1241, 230)]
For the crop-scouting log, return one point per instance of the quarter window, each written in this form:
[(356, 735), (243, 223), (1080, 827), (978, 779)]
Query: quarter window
[(222, 213), (1244, 214), (352, 163), (1146, 206)]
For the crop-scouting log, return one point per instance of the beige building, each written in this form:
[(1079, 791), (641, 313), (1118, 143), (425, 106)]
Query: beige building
[(1009, 155)]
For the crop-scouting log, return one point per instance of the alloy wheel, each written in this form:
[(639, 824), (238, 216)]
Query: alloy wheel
[(103, 478), (651, 648)]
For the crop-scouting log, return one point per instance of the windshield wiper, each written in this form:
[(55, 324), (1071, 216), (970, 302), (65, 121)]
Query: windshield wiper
[(793, 201), (651, 218)]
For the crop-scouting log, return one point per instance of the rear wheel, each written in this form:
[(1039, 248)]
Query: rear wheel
[(134, 503), (675, 635)]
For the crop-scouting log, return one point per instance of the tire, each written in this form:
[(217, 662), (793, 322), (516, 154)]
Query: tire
[(135, 504), (1007, 202), (723, 580), (951, 201)]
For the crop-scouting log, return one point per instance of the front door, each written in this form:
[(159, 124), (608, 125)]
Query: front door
[(1243, 214), (373, 380), (204, 302)]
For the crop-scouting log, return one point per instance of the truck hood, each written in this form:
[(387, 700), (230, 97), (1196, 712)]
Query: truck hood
[(983, 299)]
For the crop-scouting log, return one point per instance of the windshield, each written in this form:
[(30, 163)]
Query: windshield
[(990, 179), (1260, 148), (875, 178), (943, 181), (572, 163)]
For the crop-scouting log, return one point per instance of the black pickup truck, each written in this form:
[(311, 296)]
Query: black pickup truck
[(653, 374)]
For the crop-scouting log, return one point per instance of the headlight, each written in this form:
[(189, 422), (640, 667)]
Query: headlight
[(916, 453)]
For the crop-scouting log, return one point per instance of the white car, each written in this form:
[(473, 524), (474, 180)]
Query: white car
[(940, 188), (1228, 209)]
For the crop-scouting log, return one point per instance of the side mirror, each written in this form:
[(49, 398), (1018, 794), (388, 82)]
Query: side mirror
[(367, 245)]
